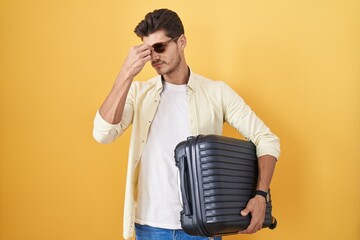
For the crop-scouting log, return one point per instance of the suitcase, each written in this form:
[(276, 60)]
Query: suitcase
[(217, 178)]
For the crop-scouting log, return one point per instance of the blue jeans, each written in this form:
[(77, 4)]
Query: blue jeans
[(144, 232)]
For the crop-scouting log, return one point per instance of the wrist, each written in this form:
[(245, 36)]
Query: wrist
[(126, 74), (262, 194)]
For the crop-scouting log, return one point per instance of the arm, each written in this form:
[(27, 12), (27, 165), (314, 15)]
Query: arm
[(109, 121), (266, 166), (241, 117), (112, 108), (257, 205)]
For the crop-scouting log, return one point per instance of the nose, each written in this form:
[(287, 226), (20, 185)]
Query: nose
[(154, 55)]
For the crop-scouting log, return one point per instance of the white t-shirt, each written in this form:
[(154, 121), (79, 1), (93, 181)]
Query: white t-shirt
[(158, 202)]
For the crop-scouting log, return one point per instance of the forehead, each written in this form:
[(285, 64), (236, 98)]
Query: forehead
[(158, 36)]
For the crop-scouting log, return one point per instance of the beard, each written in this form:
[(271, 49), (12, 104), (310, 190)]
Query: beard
[(165, 68)]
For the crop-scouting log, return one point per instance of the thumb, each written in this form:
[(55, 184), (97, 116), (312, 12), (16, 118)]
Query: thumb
[(244, 212)]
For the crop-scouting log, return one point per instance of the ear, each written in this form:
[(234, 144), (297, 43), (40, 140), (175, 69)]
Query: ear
[(182, 42)]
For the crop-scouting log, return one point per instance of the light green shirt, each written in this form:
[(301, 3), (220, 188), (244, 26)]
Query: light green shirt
[(211, 103)]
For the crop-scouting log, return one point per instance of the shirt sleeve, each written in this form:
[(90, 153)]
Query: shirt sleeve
[(239, 115), (104, 132)]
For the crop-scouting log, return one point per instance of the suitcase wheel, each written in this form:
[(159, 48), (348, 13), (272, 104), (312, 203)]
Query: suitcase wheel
[(273, 224)]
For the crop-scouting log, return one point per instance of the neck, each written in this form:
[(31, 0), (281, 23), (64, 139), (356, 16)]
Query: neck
[(179, 76)]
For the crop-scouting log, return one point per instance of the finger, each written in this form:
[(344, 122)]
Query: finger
[(147, 58), (249, 208), (254, 226), (145, 53), (256, 222), (245, 212), (251, 228), (138, 50), (143, 47), (138, 57)]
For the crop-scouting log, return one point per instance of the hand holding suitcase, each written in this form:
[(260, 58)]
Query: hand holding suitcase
[(218, 176)]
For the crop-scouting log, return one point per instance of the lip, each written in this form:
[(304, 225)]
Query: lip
[(157, 64)]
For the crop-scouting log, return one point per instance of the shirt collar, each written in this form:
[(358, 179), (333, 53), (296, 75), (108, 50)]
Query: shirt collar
[(159, 84), (191, 83)]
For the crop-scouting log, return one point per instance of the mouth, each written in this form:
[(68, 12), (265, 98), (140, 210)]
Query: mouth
[(157, 64)]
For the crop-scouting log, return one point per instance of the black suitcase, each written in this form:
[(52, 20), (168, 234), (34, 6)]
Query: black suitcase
[(217, 177)]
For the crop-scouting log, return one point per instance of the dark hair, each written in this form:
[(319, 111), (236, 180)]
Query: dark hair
[(160, 19)]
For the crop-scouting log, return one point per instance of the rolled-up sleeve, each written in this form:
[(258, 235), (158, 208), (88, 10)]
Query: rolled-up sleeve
[(239, 115), (104, 132)]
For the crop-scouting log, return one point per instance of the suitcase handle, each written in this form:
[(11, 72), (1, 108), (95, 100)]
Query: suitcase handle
[(184, 187)]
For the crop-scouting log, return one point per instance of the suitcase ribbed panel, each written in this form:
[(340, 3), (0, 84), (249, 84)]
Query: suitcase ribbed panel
[(231, 192), (224, 165), (231, 163), (228, 185), (220, 174)]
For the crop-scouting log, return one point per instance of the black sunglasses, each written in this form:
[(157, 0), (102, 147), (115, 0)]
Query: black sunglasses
[(161, 46)]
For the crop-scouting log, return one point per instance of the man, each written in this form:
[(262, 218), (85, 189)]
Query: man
[(164, 111)]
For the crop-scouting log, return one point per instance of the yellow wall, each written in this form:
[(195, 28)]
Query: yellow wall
[(295, 62)]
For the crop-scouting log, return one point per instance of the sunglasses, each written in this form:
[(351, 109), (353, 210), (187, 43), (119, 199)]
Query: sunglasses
[(161, 46)]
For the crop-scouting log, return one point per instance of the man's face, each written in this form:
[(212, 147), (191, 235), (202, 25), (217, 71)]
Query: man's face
[(167, 61)]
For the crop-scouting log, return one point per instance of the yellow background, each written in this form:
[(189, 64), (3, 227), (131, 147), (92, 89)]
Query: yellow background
[(297, 63)]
